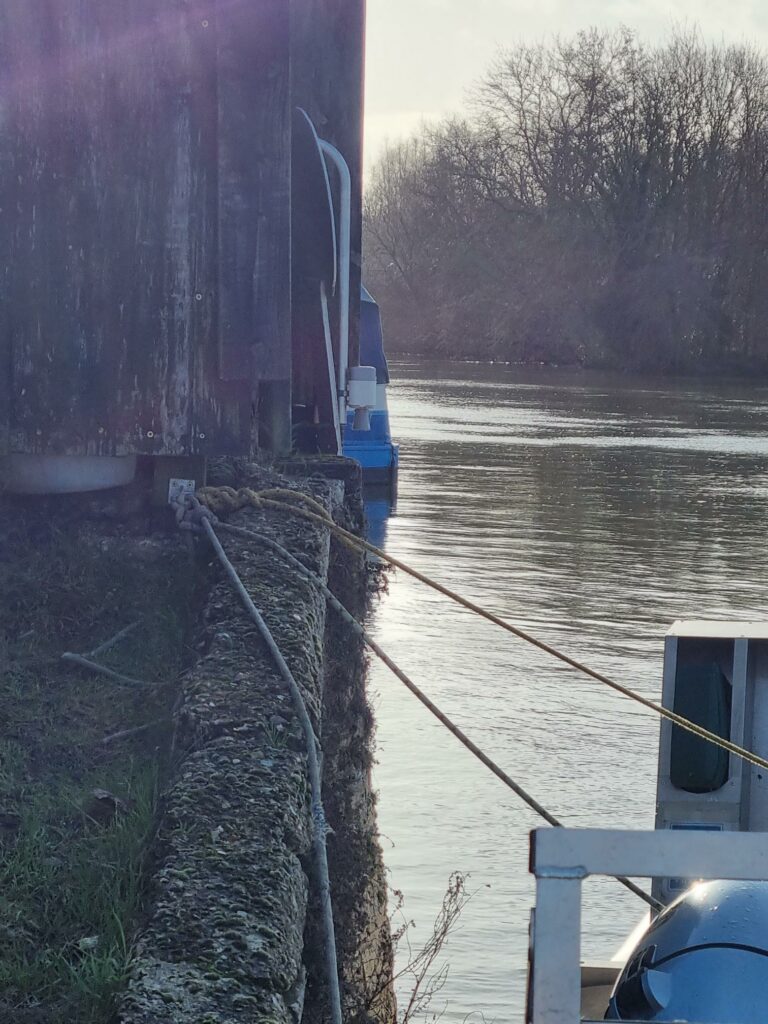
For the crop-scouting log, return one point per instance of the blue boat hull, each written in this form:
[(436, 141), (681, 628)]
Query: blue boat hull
[(373, 449)]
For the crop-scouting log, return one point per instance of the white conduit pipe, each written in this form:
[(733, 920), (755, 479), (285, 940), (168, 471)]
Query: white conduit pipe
[(331, 367), (345, 234)]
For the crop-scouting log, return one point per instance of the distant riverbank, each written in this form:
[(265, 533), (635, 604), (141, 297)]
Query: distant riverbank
[(734, 370), (603, 206)]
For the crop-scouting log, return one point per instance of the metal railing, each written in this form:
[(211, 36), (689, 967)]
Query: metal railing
[(562, 858)]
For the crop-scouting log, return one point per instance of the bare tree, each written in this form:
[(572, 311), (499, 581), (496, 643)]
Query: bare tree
[(604, 204)]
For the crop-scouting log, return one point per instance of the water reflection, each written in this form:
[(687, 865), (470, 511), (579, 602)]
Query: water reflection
[(592, 511), (379, 507)]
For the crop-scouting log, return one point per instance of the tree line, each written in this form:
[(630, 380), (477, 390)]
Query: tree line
[(604, 204)]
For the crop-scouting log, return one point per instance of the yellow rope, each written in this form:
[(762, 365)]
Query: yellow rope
[(227, 499), (440, 715)]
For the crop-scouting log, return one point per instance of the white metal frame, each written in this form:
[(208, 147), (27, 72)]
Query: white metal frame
[(331, 367), (562, 858), (742, 803), (345, 257)]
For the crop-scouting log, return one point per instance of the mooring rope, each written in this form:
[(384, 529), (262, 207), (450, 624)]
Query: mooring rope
[(320, 827), (461, 736), (220, 499)]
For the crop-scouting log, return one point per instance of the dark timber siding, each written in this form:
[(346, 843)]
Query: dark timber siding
[(145, 198)]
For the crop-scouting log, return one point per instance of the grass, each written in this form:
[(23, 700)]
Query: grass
[(71, 885), (70, 891)]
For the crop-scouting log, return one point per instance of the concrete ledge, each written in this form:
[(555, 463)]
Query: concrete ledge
[(224, 940)]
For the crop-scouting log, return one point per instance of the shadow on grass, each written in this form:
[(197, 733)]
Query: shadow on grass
[(71, 876), (70, 890)]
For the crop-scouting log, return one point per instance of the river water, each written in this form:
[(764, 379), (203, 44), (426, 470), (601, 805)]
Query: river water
[(592, 510)]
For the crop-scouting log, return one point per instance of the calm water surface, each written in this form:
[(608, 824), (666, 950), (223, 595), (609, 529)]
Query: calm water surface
[(592, 511)]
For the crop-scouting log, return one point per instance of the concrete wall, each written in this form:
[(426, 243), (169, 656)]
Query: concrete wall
[(230, 930)]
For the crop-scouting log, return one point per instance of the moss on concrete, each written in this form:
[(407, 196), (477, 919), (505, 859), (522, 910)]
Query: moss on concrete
[(229, 896), (358, 877)]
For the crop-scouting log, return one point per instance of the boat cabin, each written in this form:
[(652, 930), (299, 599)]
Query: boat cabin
[(716, 675)]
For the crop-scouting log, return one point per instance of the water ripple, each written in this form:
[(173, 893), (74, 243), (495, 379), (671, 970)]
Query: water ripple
[(592, 512)]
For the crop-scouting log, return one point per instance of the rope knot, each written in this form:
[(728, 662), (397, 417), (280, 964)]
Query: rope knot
[(190, 513), (227, 499)]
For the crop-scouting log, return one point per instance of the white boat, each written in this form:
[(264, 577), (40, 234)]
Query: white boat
[(703, 957)]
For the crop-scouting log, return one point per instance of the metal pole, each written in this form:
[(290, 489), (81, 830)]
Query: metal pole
[(345, 234)]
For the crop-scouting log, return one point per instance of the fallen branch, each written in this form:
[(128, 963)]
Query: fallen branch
[(92, 666), (109, 644), (125, 733)]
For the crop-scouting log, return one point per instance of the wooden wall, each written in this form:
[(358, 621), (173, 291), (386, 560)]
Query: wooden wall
[(145, 231)]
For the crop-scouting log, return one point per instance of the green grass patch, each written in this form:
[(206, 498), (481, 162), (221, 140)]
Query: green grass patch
[(70, 891)]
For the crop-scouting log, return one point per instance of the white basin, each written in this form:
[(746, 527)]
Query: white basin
[(64, 474)]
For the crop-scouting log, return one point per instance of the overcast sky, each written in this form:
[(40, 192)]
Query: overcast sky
[(423, 55)]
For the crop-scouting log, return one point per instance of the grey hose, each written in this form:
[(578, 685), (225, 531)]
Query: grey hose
[(320, 827)]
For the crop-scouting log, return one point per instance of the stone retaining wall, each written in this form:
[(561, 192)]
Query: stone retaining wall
[(227, 937)]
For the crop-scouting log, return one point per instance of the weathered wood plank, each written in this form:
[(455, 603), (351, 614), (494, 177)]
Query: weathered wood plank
[(98, 207), (145, 196), (254, 190), (113, 220)]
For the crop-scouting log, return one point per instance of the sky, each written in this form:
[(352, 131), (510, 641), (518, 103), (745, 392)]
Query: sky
[(422, 56)]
